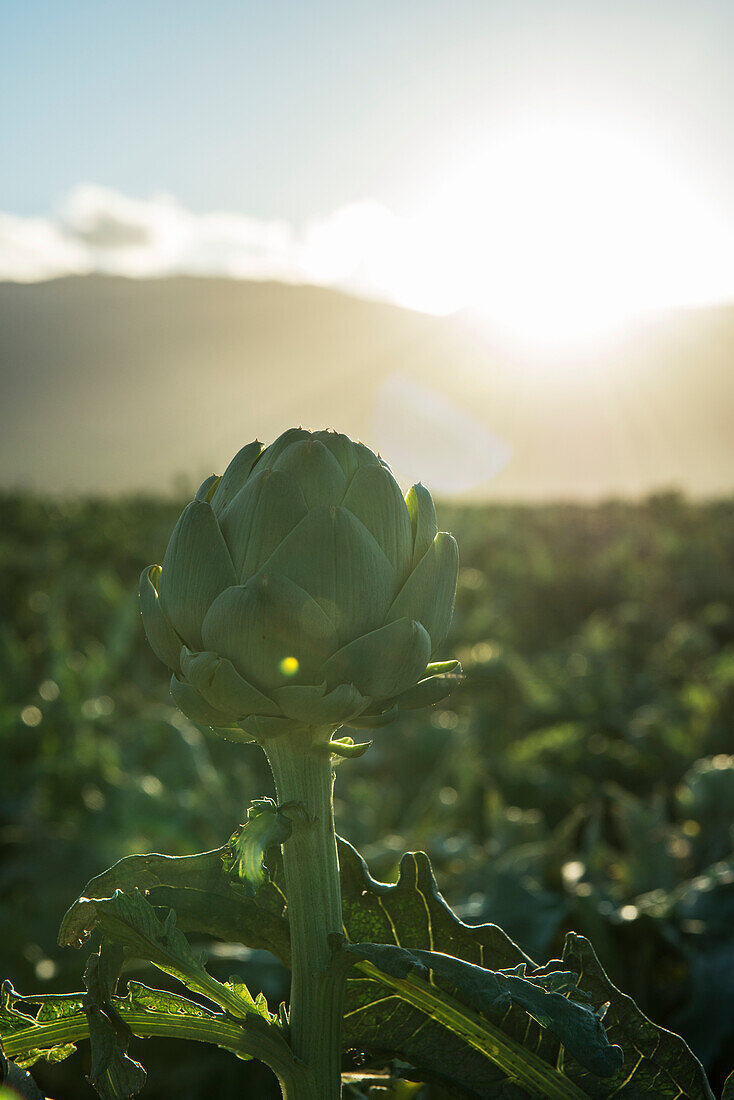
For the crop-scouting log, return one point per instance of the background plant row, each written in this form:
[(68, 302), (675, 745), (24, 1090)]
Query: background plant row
[(579, 779)]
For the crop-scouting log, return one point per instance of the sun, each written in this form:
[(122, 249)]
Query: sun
[(560, 232)]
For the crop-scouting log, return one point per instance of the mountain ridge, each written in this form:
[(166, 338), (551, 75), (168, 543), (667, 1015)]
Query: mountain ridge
[(113, 384)]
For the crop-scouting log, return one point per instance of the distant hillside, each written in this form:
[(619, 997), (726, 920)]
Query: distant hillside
[(111, 384)]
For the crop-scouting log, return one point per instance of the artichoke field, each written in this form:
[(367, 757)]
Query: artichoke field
[(300, 591)]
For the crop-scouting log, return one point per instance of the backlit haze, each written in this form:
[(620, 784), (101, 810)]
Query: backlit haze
[(552, 172)]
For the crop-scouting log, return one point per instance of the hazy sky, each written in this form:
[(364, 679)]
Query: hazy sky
[(288, 114), (291, 109)]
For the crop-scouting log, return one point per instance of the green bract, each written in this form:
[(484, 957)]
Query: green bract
[(301, 590)]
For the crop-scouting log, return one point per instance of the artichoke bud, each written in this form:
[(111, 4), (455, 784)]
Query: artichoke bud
[(301, 591)]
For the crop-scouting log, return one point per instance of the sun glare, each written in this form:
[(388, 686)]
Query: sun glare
[(560, 233)]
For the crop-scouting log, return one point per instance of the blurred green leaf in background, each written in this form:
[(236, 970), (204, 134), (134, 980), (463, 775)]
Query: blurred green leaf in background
[(579, 780)]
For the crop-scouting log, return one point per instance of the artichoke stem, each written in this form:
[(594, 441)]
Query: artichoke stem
[(303, 773)]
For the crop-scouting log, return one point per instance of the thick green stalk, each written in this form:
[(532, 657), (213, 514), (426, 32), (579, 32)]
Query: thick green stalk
[(303, 773)]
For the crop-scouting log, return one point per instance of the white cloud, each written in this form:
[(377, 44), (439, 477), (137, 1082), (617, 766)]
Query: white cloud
[(102, 230), (36, 248), (550, 242)]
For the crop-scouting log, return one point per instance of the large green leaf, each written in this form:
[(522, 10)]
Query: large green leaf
[(657, 1062), (475, 1005), (204, 898), (469, 1048), (202, 872), (412, 914), (131, 921)]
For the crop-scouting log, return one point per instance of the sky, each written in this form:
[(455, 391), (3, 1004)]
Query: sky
[(572, 162)]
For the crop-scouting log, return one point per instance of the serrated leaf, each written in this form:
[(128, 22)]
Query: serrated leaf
[(147, 999), (144, 1013), (130, 920), (257, 922), (11, 1017), (204, 898), (28, 1015), (493, 994), (412, 914), (144, 872), (657, 1062)]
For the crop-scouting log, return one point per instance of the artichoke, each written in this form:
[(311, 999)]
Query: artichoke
[(301, 591)]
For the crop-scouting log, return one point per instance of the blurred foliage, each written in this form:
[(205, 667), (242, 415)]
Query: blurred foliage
[(580, 779)]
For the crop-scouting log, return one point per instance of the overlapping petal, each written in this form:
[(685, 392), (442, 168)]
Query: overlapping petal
[(163, 639), (374, 497), (292, 435), (235, 476), (350, 455), (220, 685), (314, 468), (333, 557), (260, 516), (197, 709), (262, 728), (317, 707), (429, 592), (205, 491), (383, 662), (196, 567), (374, 720), (271, 630), (427, 692), (422, 519)]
